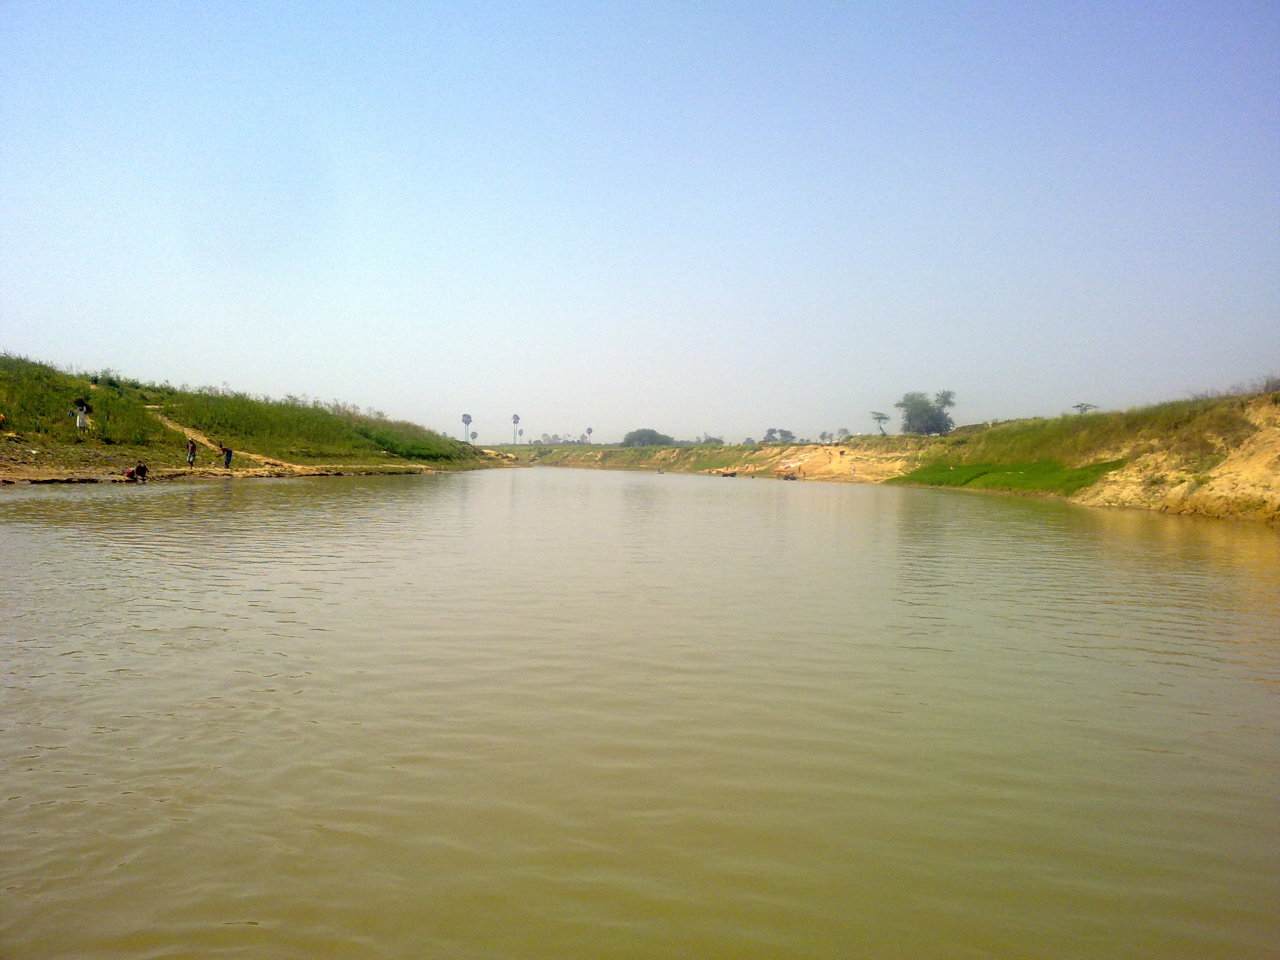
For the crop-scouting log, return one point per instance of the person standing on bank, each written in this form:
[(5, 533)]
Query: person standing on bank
[(191, 452), (81, 412), (226, 456)]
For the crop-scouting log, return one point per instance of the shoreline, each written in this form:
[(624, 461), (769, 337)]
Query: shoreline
[(1244, 485), (32, 475), (16, 471), (1133, 492)]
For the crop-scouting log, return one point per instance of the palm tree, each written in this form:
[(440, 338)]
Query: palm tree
[(588, 434), (881, 419), (515, 422), (466, 423)]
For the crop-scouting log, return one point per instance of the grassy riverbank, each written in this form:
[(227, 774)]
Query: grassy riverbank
[(1216, 456), (131, 421)]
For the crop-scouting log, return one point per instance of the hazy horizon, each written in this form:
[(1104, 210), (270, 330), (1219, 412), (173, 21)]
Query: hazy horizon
[(701, 219)]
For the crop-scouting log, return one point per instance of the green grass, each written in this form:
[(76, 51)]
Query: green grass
[(1065, 454), (1038, 477), (303, 432), (285, 429), (36, 399), (1195, 430), (409, 440)]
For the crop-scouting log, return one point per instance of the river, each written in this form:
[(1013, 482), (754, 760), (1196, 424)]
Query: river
[(569, 714)]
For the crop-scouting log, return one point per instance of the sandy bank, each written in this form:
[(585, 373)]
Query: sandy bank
[(1244, 486)]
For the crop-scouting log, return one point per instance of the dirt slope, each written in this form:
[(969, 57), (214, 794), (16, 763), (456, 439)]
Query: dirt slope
[(1246, 485)]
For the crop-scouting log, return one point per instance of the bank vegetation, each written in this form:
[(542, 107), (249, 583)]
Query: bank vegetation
[(129, 421)]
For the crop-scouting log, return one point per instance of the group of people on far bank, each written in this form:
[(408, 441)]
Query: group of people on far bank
[(80, 411), (138, 474), (222, 449)]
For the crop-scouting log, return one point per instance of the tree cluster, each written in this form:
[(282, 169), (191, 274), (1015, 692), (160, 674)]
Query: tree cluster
[(924, 416), (647, 438)]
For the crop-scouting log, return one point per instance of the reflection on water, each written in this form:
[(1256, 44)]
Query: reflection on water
[(559, 714)]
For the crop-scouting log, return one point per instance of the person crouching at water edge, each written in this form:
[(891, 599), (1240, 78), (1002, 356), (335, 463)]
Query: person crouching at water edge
[(191, 452), (226, 456), (136, 474)]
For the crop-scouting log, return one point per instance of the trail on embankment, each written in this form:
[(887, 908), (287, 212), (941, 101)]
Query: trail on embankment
[(204, 441)]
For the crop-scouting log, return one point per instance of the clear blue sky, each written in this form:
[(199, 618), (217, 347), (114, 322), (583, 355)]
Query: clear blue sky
[(700, 217)]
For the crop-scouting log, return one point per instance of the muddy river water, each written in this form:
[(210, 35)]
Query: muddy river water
[(569, 714)]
